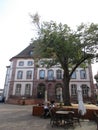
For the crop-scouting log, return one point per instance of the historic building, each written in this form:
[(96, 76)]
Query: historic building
[(28, 80)]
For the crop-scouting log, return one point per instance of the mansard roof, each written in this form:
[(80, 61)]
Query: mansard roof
[(26, 53)]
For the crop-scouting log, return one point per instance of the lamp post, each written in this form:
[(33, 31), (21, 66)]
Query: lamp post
[(96, 78), (46, 96)]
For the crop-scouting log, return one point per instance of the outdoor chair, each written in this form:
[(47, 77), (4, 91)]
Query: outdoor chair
[(77, 117), (68, 121), (96, 118), (53, 118)]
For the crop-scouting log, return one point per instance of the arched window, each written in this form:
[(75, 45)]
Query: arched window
[(41, 74), (41, 91), (59, 74), (50, 75), (59, 92)]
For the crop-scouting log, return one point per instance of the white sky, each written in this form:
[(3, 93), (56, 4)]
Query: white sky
[(16, 29)]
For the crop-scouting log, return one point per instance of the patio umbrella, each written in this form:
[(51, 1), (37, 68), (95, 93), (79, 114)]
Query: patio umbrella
[(81, 107)]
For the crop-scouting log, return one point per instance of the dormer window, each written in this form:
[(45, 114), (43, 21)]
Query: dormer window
[(42, 63), (31, 53)]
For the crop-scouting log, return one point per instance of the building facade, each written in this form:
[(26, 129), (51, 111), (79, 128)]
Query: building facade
[(28, 80)]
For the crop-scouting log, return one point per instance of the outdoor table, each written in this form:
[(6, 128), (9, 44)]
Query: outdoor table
[(64, 117), (64, 112)]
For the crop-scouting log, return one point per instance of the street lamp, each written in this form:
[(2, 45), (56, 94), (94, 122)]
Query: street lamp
[(96, 78)]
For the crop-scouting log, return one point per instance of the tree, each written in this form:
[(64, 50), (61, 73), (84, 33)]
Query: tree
[(71, 48)]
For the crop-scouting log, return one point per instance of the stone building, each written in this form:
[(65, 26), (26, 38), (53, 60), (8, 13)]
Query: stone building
[(28, 80)]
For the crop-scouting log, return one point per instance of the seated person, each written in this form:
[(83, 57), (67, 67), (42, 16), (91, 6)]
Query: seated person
[(46, 110)]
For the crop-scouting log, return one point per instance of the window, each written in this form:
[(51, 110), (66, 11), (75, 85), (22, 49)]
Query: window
[(42, 63), (73, 89), (73, 75), (59, 74), (85, 89), (30, 63), (29, 74), (19, 74), (18, 89), (21, 63), (41, 91), (31, 53), (82, 74), (42, 74), (27, 89), (96, 59), (50, 75), (58, 92)]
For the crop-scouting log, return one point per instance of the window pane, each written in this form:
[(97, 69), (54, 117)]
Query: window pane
[(27, 89), (73, 75), (42, 63), (58, 92), (31, 53), (50, 75), (18, 89), (82, 74), (19, 74), (30, 63), (59, 74), (42, 74), (29, 74), (85, 89), (21, 63), (73, 89)]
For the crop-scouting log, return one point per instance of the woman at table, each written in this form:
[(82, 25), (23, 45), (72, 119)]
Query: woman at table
[(46, 110)]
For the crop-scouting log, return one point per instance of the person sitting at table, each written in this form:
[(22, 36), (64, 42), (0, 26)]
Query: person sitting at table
[(46, 110)]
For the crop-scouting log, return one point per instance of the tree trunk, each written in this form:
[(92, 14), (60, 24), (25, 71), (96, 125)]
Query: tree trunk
[(66, 93)]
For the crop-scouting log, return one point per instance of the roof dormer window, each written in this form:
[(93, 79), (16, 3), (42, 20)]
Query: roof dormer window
[(31, 53)]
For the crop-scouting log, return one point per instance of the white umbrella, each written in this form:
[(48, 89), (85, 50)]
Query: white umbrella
[(81, 107)]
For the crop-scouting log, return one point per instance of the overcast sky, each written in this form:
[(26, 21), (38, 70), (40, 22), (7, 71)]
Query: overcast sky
[(16, 29)]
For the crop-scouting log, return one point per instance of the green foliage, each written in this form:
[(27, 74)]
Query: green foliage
[(70, 48), (62, 44)]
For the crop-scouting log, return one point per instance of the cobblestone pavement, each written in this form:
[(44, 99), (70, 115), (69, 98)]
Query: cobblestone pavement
[(18, 117)]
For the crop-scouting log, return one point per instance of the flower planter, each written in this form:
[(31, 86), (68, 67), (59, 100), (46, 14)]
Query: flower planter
[(37, 110)]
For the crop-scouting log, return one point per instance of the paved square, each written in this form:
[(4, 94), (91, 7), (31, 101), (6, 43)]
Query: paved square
[(18, 117)]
